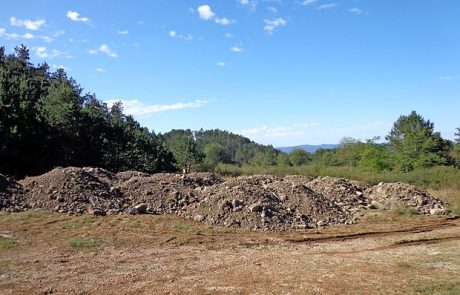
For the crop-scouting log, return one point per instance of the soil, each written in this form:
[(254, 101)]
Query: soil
[(258, 202)]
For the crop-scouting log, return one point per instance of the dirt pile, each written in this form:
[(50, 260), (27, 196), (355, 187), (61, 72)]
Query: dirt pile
[(264, 202), (249, 202), (11, 195), (75, 191), (164, 192), (393, 195), (347, 194)]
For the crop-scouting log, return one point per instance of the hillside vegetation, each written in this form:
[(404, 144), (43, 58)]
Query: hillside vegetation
[(47, 120)]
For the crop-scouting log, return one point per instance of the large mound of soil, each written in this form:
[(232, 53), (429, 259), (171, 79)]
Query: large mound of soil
[(74, 191), (249, 202)]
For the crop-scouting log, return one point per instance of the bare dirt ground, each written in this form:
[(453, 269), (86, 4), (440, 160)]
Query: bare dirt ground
[(385, 253)]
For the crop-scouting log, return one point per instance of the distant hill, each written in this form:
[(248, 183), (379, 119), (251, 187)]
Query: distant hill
[(308, 147)]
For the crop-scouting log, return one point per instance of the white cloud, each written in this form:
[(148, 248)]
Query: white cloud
[(206, 12), (101, 70), (271, 25), (49, 39), (15, 36), (43, 52), (76, 17), (327, 6), (313, 133), (236, 49), (104, 48), (249, 3), (174, 34), (137, 108), (59, 67), (229, 36), (28, 24), (355, 10), (221, 64), (263, 133), (224, 21), (272, 9), (123, 32), (309, 2)]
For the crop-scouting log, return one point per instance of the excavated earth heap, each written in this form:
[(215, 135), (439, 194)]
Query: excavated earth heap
[(257, 202)]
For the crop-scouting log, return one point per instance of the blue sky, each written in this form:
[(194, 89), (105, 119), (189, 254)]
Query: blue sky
[(280, 72)]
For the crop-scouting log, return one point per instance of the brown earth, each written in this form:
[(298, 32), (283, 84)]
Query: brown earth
[(250, 202), (51, 253)]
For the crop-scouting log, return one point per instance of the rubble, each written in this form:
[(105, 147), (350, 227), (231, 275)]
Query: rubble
[(257, 202)]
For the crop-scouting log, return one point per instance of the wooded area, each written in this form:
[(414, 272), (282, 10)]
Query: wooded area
[(47, 120)]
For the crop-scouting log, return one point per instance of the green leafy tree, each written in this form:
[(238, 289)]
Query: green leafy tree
[(375, 157), (415, 144), (299, 157), (186, 153), (283, 160), (455, 152), (214, 153)]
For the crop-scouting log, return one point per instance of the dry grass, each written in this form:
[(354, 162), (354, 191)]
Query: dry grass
[(386, 254), (449, 194)]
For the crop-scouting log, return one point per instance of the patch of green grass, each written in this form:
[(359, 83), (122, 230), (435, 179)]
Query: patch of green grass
[(85, 243), (439, 288), (6, 243)]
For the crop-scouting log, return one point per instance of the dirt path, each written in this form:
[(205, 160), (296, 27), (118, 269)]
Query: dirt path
[(58, 254)]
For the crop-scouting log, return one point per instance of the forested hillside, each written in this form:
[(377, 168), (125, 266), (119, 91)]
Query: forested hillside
[(46, 120)]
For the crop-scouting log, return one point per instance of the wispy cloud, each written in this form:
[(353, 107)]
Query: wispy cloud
[(15, 36), (174, 34), (312, 133), (76, 17), (123, 32), (355, 10), (104, 48), (28, 24), (205, 12), (271, 25), (236, 49), (137, 108), (308, 2), (221, 64), (252, 4), (272, 9), (101, 70), (327, 6), (266, 132), (43, 52)]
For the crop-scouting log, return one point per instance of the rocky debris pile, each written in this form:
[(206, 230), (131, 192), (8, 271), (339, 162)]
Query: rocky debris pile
[(264, 202), (75, 191), (250, 202), (11, 195), (392, 195), (164, 192), (347, 194)]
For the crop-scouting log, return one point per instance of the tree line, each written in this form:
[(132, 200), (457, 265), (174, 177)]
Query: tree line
[(47, 120)]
